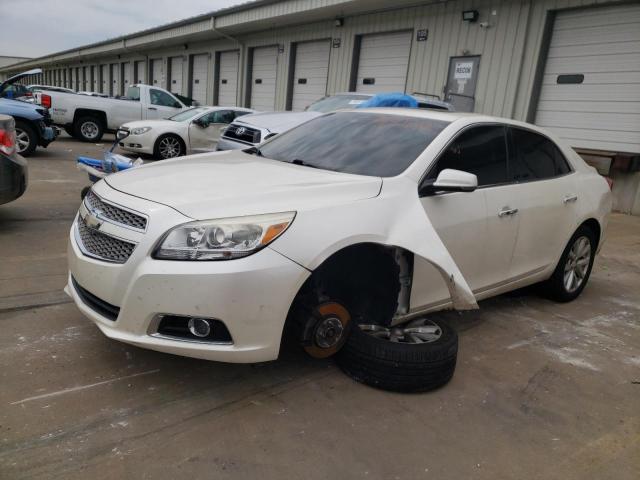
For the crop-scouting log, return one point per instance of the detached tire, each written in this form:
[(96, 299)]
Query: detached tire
[(89, 129), (397, 366)]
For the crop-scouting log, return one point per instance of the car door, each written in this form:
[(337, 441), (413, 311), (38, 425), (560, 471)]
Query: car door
[(479, 241), (205, 131), (546, 201), (161, 105)]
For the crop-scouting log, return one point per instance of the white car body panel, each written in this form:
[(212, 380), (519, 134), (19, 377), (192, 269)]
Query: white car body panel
[(463, 250)]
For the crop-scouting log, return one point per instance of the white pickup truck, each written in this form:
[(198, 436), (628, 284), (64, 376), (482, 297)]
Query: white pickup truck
[(87, 118)]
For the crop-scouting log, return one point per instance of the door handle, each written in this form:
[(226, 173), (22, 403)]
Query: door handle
[(507, 212), (152, 108), (570, 198)]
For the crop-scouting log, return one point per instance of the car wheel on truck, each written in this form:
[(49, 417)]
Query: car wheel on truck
[(415, 357), (26, 138), (89, 129), (168, 146)]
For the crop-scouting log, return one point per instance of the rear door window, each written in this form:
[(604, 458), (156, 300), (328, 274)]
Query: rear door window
[(534, 157), (479, 150)]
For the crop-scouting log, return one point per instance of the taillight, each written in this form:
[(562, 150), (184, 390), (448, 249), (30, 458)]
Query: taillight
[(7, 141), (45, 100)]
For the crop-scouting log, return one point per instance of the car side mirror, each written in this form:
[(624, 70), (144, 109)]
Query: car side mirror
[(200, 123), (450, 180), (177, 105)]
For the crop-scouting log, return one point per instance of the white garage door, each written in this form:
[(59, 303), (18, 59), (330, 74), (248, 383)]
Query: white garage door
[(115, 79), (263, 78), (126, 76), (311, 71), (590, 92), (104, 69), (175, 84), (156, 72), (200, 78), (384, 61), (228, 81), (95, 85), (139, 76)]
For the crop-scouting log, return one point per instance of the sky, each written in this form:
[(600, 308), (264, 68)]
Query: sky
[(33, 28)]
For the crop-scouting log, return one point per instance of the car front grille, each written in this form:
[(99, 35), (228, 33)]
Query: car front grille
[(102, 246), (243, 134), (90, 300), (118, 215)]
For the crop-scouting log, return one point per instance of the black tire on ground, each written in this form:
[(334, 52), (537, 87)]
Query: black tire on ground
[(89, 129), (84, 191), (400, 367), (26, 138), (168, 146), (556, 288)]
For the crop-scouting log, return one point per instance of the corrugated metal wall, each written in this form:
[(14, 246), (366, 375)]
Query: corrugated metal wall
[(510, 48)]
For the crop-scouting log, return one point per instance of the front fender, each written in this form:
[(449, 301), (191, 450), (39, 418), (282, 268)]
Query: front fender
[(392, 220)]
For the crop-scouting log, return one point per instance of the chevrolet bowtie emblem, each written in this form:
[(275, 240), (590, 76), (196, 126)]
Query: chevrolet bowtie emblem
[(92, 221)]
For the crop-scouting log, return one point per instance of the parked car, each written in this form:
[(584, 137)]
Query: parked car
[(13, 168), (88, 117), (254, 129), (32, 122), (342, 230), (196, 130), (16, 92)]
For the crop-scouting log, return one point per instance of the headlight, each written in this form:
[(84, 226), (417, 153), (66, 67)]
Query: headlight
[(223, 239), (140, 130)]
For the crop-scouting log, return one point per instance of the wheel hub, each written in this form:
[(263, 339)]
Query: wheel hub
[(329, 332)]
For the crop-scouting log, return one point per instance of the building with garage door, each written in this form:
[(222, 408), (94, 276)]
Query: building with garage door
[(572, 66)]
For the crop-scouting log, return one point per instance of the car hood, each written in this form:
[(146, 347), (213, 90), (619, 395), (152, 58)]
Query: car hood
[(14, 107), (234, 183), (277, 122)]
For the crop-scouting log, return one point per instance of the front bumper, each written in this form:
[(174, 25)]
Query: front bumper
[(226, 144), (250, 295)]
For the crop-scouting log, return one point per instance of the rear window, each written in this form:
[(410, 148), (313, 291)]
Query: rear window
[(374, 144), (133, 93), (536, 157)]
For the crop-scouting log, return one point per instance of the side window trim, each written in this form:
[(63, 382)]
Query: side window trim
[(434, 164)]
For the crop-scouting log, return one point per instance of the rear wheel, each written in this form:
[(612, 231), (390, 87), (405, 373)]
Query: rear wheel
[(26, 138), (574, 268), (168, 146), (89, 129)]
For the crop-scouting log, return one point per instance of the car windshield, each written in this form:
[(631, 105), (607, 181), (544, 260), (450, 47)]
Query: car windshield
[(337, 102), (187, 114), (373, 144)]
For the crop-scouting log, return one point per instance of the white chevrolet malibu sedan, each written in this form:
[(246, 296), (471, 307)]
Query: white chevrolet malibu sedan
[(365, 218), (192, 131)]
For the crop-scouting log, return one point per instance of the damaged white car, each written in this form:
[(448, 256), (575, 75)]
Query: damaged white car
[(347, 230)]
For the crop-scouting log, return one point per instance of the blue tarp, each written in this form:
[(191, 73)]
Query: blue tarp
[(390, 100)]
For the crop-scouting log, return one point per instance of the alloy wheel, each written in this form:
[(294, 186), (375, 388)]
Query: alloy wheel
[(22, 140), (577, 265), (169, 147), (421, 330)]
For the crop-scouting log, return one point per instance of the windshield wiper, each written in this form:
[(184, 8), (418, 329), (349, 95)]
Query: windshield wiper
[(302, 163)]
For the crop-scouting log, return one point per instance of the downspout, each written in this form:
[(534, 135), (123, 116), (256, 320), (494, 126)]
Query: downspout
[(241, 60)]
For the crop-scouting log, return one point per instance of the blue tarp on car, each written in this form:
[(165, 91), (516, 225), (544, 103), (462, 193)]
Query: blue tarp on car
[(390, 100)]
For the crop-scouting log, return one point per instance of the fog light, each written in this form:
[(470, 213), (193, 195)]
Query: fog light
[(199, 327)]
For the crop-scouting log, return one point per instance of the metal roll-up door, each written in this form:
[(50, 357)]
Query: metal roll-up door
[(383, 62), (263, 78), (115, 79), (175, 83), (104, 79), (85, 79), (139, 72), (156, 72), (228, 78), (94, 74), (310, 73), (126, 76), (590, 93), (200, 78)]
